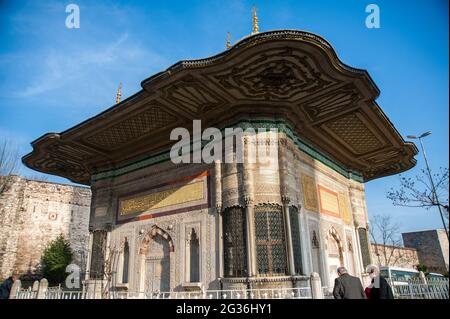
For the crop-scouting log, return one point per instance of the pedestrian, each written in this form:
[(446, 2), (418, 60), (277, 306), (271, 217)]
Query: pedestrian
[(347, 286), (5, 287), (368, 290), (379, 287)]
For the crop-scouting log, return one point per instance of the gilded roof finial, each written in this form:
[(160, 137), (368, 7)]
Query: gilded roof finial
[(255, 21), (228, 40), (119, 93)]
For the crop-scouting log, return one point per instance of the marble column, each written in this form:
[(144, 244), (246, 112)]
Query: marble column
[(248, 198), (251, 246), (218, 204), (288, 232), (283, 171), (89, 253)]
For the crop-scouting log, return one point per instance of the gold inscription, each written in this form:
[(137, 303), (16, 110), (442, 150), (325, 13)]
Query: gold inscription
[(329, 202), (174, 196), (344, 207), (309, 193)]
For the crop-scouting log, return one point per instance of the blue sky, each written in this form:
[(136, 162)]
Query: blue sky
[(52, 78)]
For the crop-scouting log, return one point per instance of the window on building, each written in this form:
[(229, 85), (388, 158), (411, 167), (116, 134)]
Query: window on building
[(194, 262), (98, 254), (315, 241), (126, 262), (270, 242), (296, 243), (234, 242)]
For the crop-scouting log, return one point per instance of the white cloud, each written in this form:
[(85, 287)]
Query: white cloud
[(50, 65), (62, 67)]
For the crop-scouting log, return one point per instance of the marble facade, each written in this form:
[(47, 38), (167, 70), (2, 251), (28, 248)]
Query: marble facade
[(157, 208)]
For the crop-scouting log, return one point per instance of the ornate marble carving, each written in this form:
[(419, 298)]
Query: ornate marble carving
[(231, 194), (334, 234), (218, 185), (285, 199), (247, 200), (231, 198), (267, 188), (154, 231), (230, 181)]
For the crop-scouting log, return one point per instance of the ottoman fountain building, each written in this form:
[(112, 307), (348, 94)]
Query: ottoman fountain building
[(156, 225)]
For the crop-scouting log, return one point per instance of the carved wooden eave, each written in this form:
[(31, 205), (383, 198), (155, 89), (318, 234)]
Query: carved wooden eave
[(290, 75)]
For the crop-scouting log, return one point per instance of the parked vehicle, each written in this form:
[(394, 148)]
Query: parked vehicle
[(397, 275), (433, 275)]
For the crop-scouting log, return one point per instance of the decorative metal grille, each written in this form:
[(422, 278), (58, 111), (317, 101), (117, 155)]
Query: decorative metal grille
[(194, 246), (364, 243), (270, 242), (234, 239), (126, 262), (349, 244), (295, 234), (314, 241), (98, 254)]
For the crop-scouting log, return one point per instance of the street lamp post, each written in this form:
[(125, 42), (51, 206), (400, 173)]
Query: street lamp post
[(433, 188)]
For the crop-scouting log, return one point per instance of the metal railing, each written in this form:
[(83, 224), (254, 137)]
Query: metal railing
[(417, 289), (327, 292), (275, 293), (27, 294)]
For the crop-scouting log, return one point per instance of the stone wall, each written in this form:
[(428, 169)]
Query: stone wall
[(432, 247), (32, 213), (394, 256)]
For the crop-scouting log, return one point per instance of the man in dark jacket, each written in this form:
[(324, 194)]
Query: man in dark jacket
[(5, 287), (347, 287)]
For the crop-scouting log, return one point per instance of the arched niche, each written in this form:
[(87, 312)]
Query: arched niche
[(156, 262)]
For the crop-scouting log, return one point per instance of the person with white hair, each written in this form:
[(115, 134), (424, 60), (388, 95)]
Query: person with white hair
[(379, 288), (347, 286)]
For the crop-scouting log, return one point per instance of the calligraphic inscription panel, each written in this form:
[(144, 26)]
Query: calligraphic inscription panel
[(309, 193), (344, 206), (172, 196), (329, 202)]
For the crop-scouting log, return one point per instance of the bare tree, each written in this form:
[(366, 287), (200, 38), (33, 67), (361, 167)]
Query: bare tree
[(9, 163), (386, 236), (104, 265), (418, 191)]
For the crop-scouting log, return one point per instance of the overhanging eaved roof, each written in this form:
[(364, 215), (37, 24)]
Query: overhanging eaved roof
[(291, 75)]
